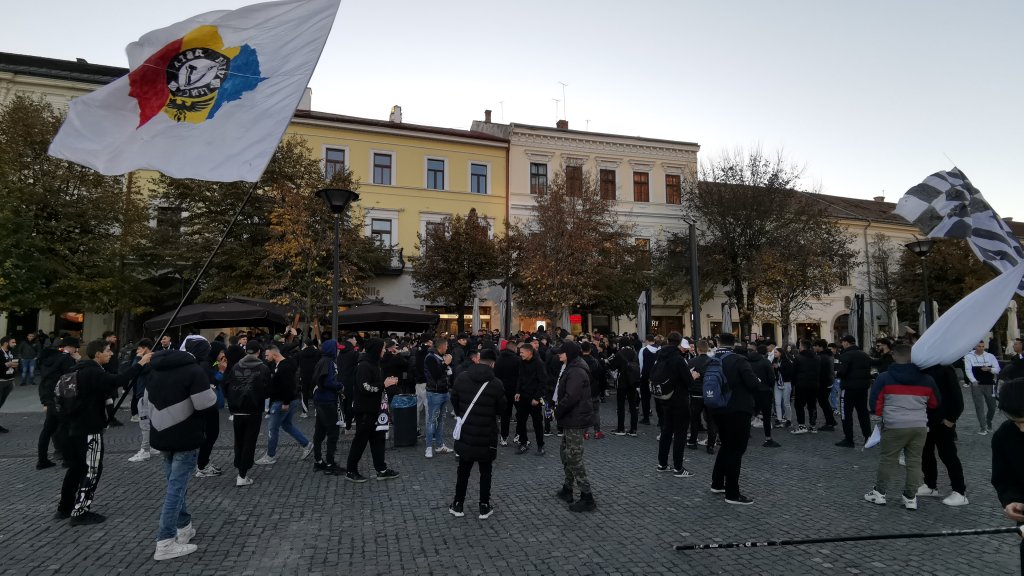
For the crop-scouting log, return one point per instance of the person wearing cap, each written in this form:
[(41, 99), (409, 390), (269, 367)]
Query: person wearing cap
[(854, 374), (675, 410), (176, 396), (53, 363), (460, 352), (370, 386), (247, 388), (478, 396), (574, 412)]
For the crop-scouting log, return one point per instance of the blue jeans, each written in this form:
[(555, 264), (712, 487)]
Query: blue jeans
[(435, 419), (281, 420), (28, 370), (178, 468), (833, 397)]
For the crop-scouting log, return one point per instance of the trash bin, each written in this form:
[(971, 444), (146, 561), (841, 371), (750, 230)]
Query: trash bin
[(403, 416)]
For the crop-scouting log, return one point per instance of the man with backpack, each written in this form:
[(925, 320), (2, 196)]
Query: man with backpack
[(54, 363), (81, 397), (627, 364), (670, 381), (697, 408), (247, 388), (729, 387)]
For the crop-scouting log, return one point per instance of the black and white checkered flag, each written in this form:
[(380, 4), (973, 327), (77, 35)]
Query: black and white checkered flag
[(947, 205)]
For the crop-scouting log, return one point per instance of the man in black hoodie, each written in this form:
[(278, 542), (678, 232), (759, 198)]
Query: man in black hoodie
[(808, 378), (325, 398), (53, 365), (348, 357), (574, 412), (627, 364), (762, 368), (85, 418), (733, 421), (247, 389), (506, 369), (178, 392), (942, 438), (825, 379), (855, 382), (369, 385), (669, 363), (478, 397), (529, 394)]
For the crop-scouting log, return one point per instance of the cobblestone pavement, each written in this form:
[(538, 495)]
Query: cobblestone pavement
[(293, 521)]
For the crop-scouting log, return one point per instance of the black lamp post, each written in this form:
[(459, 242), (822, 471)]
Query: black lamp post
[(921, 248), (337, 200)]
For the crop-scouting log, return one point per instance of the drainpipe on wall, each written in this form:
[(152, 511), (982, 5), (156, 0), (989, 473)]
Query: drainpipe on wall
[(871, 297)]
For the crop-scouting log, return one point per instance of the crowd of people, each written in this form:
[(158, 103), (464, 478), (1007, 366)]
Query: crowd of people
[(708, 394)]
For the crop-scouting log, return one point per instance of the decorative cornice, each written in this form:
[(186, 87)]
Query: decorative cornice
[(608, 163), (539, 156), (681, 153), (641, 165)]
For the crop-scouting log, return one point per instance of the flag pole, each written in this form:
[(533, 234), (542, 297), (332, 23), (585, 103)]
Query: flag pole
[(199, 276), (760, 544)]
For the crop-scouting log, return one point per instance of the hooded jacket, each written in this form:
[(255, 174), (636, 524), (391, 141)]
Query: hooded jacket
[(369, 379), (763, 370), (854, 369), (808, 370), (742, 382), (952, 404), (574, 408), (533, 379), (623, 357), (325, 374), (177, 390), (436, 374), (307, 359), (679, 372), (283, 381), (54, 365), (828, 369), (506, 369), (348, 357), (95, 385), (247, 386), (478, 439), (903, 395)]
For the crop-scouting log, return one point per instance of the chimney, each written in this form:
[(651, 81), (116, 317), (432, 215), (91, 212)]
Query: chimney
[(487, 116), (879, 198), (562, 124), (396, 114), (306, 103), (1008, 219)]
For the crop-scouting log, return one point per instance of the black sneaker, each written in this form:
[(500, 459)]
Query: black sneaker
[(485, 511), (740, 500), (523, 448), (661, 468), (333, 470), (44, 464), (3, 430), (388, 474), (769, 443), (87, 519), (319, 466), (846, 443), (61, 515), (565, 494), (584, 504), (540, 451), (631, 433), (356, 477), (682, 473), (710, 449), (619, 432), (828, 428), (456, 510)]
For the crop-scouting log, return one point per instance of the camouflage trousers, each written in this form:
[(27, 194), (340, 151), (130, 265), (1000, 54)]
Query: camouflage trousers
[(571, 452)]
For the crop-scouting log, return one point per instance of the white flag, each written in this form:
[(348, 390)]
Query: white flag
[(206, 98)]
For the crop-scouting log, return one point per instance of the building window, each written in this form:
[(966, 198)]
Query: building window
[(538, 178), (844, 277), (334, 162), (433, 228), (478, 178), (673, 189), (574, 180), (641, 187), (644, 252), (380, 231), (435, 174), (382, 168), (607, 184)]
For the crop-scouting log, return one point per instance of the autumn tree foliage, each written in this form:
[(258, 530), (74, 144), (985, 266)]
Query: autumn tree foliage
[(574, 252), (456, 260)]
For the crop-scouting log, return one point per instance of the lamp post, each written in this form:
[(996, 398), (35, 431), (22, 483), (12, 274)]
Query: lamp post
[(921, 248), (337, 200)]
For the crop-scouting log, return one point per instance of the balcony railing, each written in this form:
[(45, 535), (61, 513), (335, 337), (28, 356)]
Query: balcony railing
[(395, 263)]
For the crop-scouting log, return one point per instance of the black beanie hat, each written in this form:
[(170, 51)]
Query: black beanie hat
[(372, 348), (571, 350)]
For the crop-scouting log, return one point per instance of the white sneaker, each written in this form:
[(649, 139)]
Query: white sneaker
[(924, 490), (875, 497), (167, 549), (209, 472), (136, 418), (983, 432), (186, 534), (801, 429), (140, 456), (231, 418), (239, 481), (909, 503), (154, 452), (307, 451), (903, 460), (444, 450), (955, 499), (266, 460), (430, 452), (702, 442), (503, 441)]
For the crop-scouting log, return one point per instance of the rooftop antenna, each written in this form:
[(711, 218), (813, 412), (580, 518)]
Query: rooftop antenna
[(588, 124), (502, 104), (556, 108), (565, 114)]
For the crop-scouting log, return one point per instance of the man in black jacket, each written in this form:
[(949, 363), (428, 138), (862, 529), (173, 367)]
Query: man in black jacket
[(733, 421), (826, 378), (574, 411), (307, 360), (697, 408), (247, 389), (942, 438), (506, 369), (477, 387), (54, 364), (530, 393), (627, 363), (370, 385), (855, 381), (670, 363), (282, 393), (808, 378), (763, 397), (177, 393), (348, 357), (595, 369), (85, 418)]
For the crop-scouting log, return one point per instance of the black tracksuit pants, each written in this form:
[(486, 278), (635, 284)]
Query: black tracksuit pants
[(50, 426), (626, 393), (645, 400), (506, 416), (247, 432), (211, 430), (366, 433), (806, 398), (856, 400), (326, 427), (697, 409), (942, 439), (525, 409), (734, 430), (764, 400), (826, 405), (462, 480), (675, 420)]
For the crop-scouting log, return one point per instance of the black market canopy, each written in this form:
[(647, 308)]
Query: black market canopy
[(221, 314), (379, 316)]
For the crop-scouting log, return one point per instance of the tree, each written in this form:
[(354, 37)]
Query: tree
[(69, 232), (575, 252), (884, 257), (456, 260), (671, 271), (953, 272), (750, 208)]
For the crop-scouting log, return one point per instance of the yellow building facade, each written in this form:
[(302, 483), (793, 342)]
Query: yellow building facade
[(411, 177)]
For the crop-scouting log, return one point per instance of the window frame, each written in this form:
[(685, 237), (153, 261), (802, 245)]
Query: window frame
[(345, 163), (678, 188), (390, 231), (577, 178), (537, 189), (486, 176), (390, 168), (641, 182), (602, 172), (444, 173)]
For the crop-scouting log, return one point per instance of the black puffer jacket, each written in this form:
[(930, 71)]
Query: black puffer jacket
[(507, 369), (808, 370), (679, 371), (574, 409), (178, 392), (763, 370), (478, 439), (828, 369), (533, 378), (55, 363), (742, 382), (854, 369), (95, 385), (952, 404)]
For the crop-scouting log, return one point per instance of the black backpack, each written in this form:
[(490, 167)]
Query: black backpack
[(66, 399), (663, 385)]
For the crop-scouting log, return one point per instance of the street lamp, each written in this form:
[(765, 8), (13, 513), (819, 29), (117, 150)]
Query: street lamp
[(921, 248), (337, 200)]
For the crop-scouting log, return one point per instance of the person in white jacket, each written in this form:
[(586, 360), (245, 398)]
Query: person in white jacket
[(981, 369)]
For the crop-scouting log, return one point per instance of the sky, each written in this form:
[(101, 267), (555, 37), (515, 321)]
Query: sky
[(870, 97)]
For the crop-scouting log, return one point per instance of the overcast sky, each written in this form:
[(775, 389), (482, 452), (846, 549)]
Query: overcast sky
[(870, 96)]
